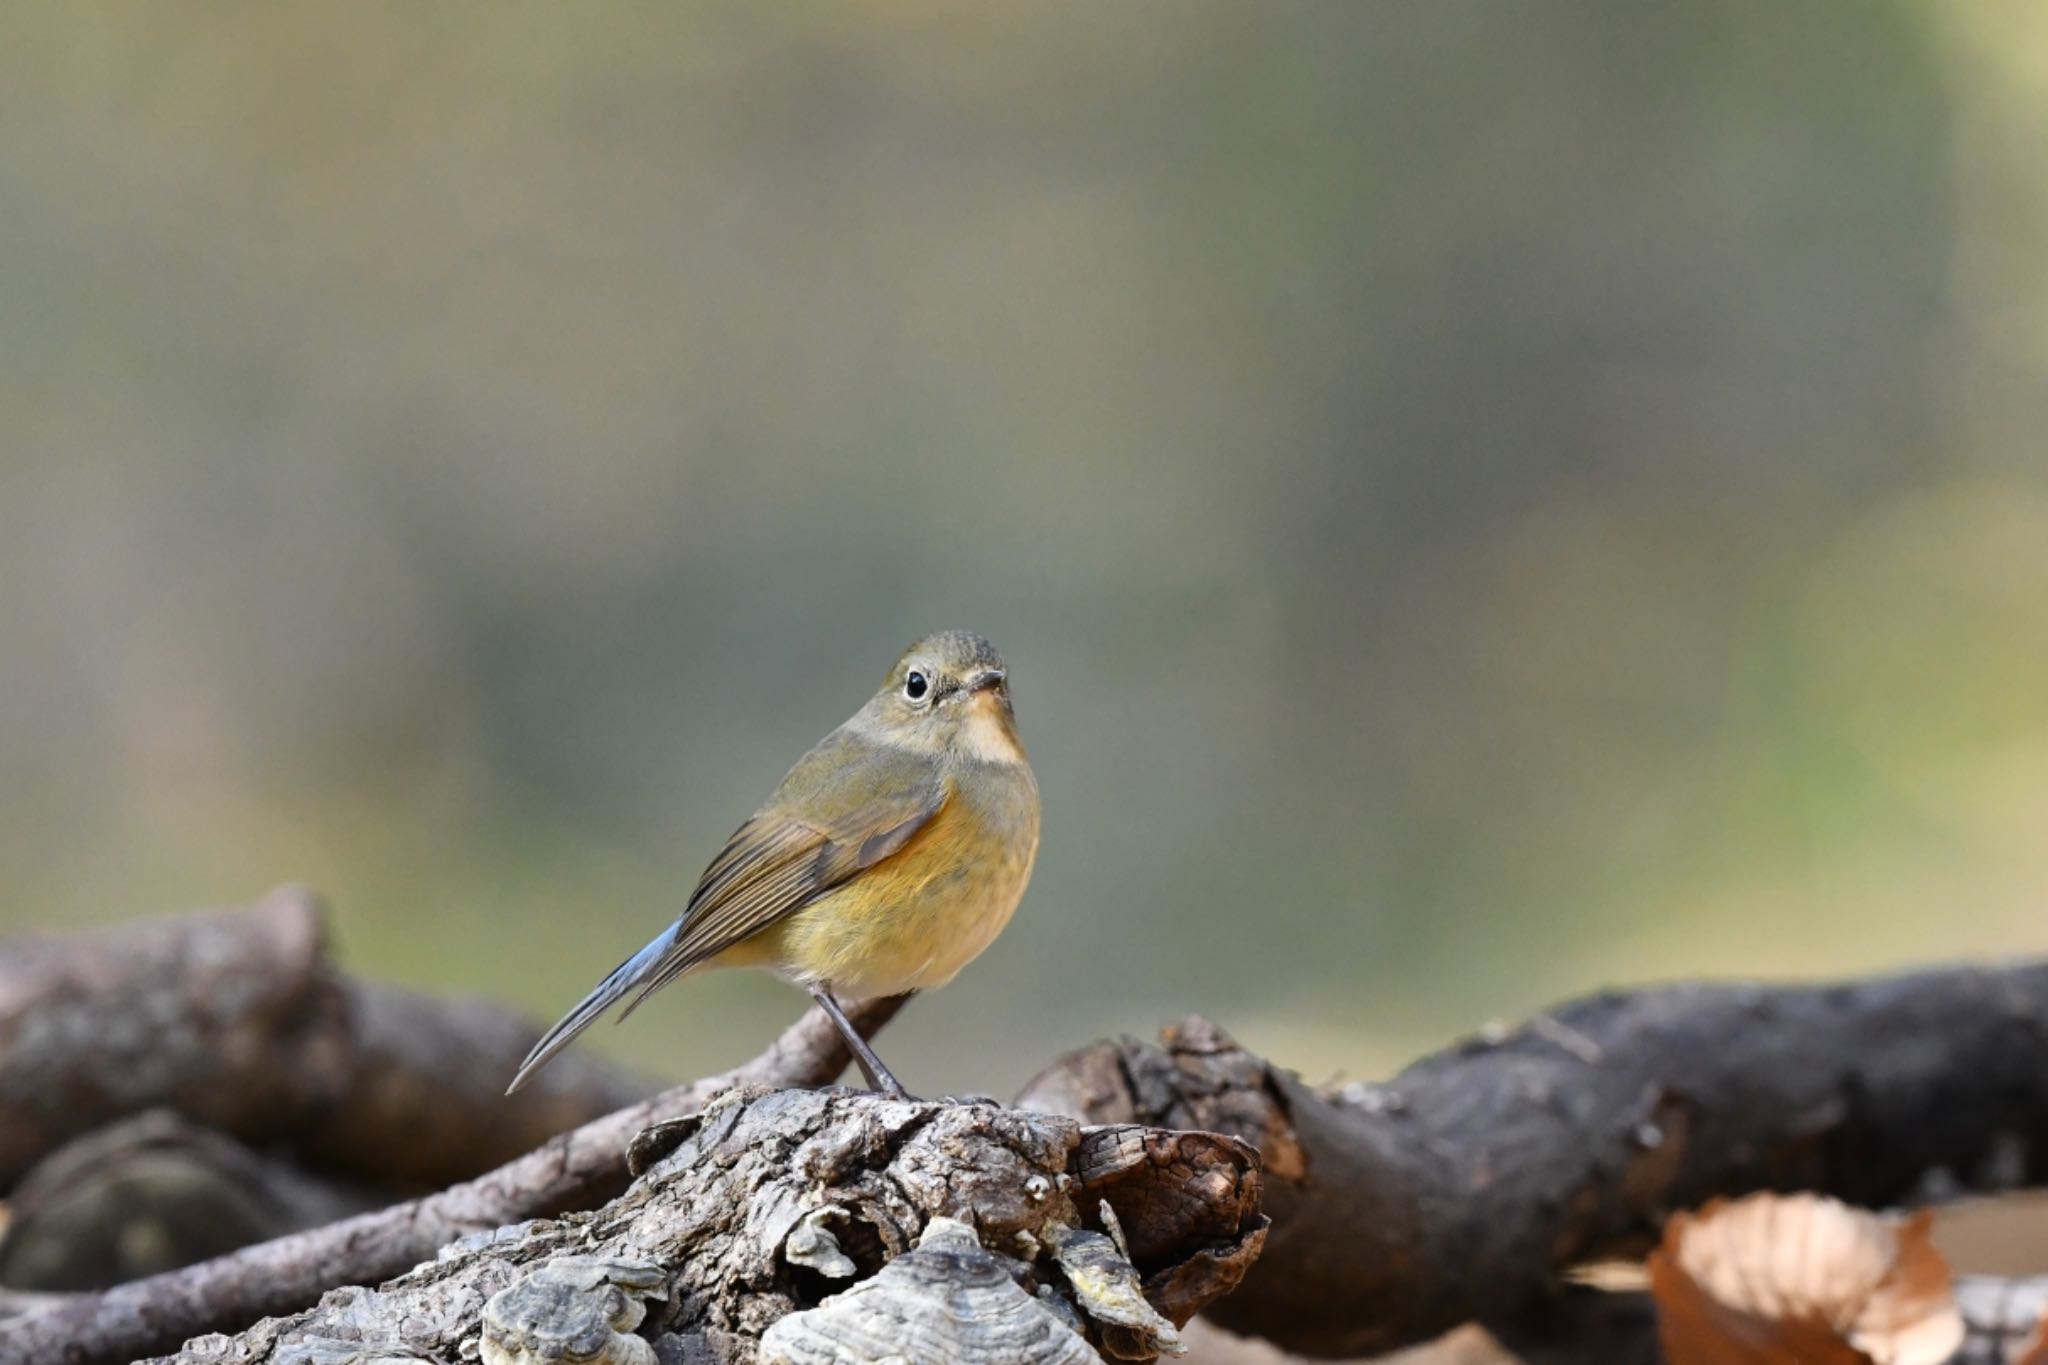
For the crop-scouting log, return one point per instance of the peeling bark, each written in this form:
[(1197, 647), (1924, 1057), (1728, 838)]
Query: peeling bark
[(578, 1169), (1461, 1189), (770, 1203)]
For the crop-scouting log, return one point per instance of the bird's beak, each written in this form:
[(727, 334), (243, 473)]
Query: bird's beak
[(986, 692)]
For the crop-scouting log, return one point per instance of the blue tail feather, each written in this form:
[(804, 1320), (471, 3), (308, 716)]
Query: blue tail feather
[(608, 992)]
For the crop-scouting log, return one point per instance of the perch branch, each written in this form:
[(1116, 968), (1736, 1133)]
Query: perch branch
[(752, 1213), (239, 1021), (574, 1170), (1460, 1189)]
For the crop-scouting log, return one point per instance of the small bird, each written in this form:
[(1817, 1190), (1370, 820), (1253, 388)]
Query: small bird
[(889, 857)]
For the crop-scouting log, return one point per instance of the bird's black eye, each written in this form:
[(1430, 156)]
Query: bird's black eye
[(915, 686)]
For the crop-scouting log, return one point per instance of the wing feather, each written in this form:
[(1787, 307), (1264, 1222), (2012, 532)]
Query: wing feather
[(778, 862)]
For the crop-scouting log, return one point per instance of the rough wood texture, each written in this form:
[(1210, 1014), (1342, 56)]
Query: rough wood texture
[(753, 1214), (238, 1020), (1461, 1188), (574, 1170)]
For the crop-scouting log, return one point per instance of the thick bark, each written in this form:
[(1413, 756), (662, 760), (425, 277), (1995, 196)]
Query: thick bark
[(750, 1215), (575, 1170), (238, 1020), (1460, 1189)]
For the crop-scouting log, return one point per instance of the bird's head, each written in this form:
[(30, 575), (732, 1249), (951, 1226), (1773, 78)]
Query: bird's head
[(950, 691)]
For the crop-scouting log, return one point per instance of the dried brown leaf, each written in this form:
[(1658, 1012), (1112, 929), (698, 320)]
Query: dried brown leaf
[(1802, 1280)]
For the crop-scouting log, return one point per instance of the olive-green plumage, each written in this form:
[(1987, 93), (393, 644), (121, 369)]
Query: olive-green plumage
[(887, 859)]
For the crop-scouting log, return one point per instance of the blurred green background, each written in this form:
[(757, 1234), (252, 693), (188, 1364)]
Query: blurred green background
[(1481, 501)]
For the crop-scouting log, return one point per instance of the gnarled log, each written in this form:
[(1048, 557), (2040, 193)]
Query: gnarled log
[(756, 1213), (1461, 1189), (575, 1170)]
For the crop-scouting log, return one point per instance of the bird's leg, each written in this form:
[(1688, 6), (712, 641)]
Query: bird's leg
[(879, 1078)]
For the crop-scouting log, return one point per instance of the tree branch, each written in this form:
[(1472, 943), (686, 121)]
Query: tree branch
[(238, 1020), (1460, 1189), (575, 1170)]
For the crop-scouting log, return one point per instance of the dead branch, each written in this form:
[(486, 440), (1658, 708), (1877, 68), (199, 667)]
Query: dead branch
[(1463, 1187), (238, 1020), (575, 1170), (749, 1216)]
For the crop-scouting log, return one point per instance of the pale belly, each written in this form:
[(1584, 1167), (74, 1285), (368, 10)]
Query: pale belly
[(913, 921)]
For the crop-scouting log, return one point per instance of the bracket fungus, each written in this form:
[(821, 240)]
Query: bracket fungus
[(1107, 1289), (946, 1300), (579, 1309), (811, 1244)]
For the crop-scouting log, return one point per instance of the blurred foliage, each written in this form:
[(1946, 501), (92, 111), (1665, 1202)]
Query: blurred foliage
[(1481, 501)]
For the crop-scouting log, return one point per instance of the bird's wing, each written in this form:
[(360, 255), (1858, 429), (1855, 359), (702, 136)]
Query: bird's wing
[(845, 807)]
